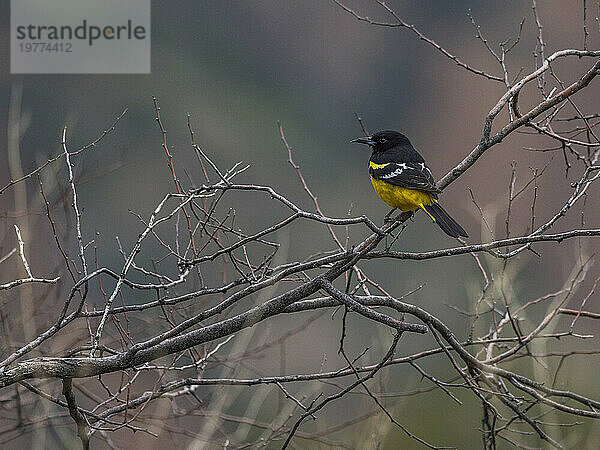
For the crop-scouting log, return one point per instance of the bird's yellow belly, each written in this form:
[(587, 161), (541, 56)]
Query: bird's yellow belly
[(402, 198)]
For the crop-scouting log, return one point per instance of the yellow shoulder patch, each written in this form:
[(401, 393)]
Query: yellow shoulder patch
[(372, 165)]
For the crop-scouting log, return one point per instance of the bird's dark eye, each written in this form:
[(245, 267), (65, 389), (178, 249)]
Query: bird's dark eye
[(382, 140)]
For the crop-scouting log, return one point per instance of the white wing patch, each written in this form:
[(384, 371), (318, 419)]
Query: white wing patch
[(425, 169), (397, 172)]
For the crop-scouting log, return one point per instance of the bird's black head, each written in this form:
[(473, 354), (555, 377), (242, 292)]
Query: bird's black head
[(384, 140)]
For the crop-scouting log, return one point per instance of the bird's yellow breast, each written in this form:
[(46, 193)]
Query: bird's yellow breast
[(402, 198)]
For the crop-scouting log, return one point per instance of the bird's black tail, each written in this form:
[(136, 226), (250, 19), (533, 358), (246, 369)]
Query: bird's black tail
[(443, 219)]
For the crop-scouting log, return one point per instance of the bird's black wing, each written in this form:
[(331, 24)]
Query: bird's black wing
[(410, 175)]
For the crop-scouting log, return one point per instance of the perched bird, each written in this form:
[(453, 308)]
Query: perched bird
[(402, 179)]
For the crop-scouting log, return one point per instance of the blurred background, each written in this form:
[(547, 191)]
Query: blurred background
[(238, 67)]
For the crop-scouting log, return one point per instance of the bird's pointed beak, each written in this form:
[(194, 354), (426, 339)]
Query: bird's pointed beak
[(364, 140)]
